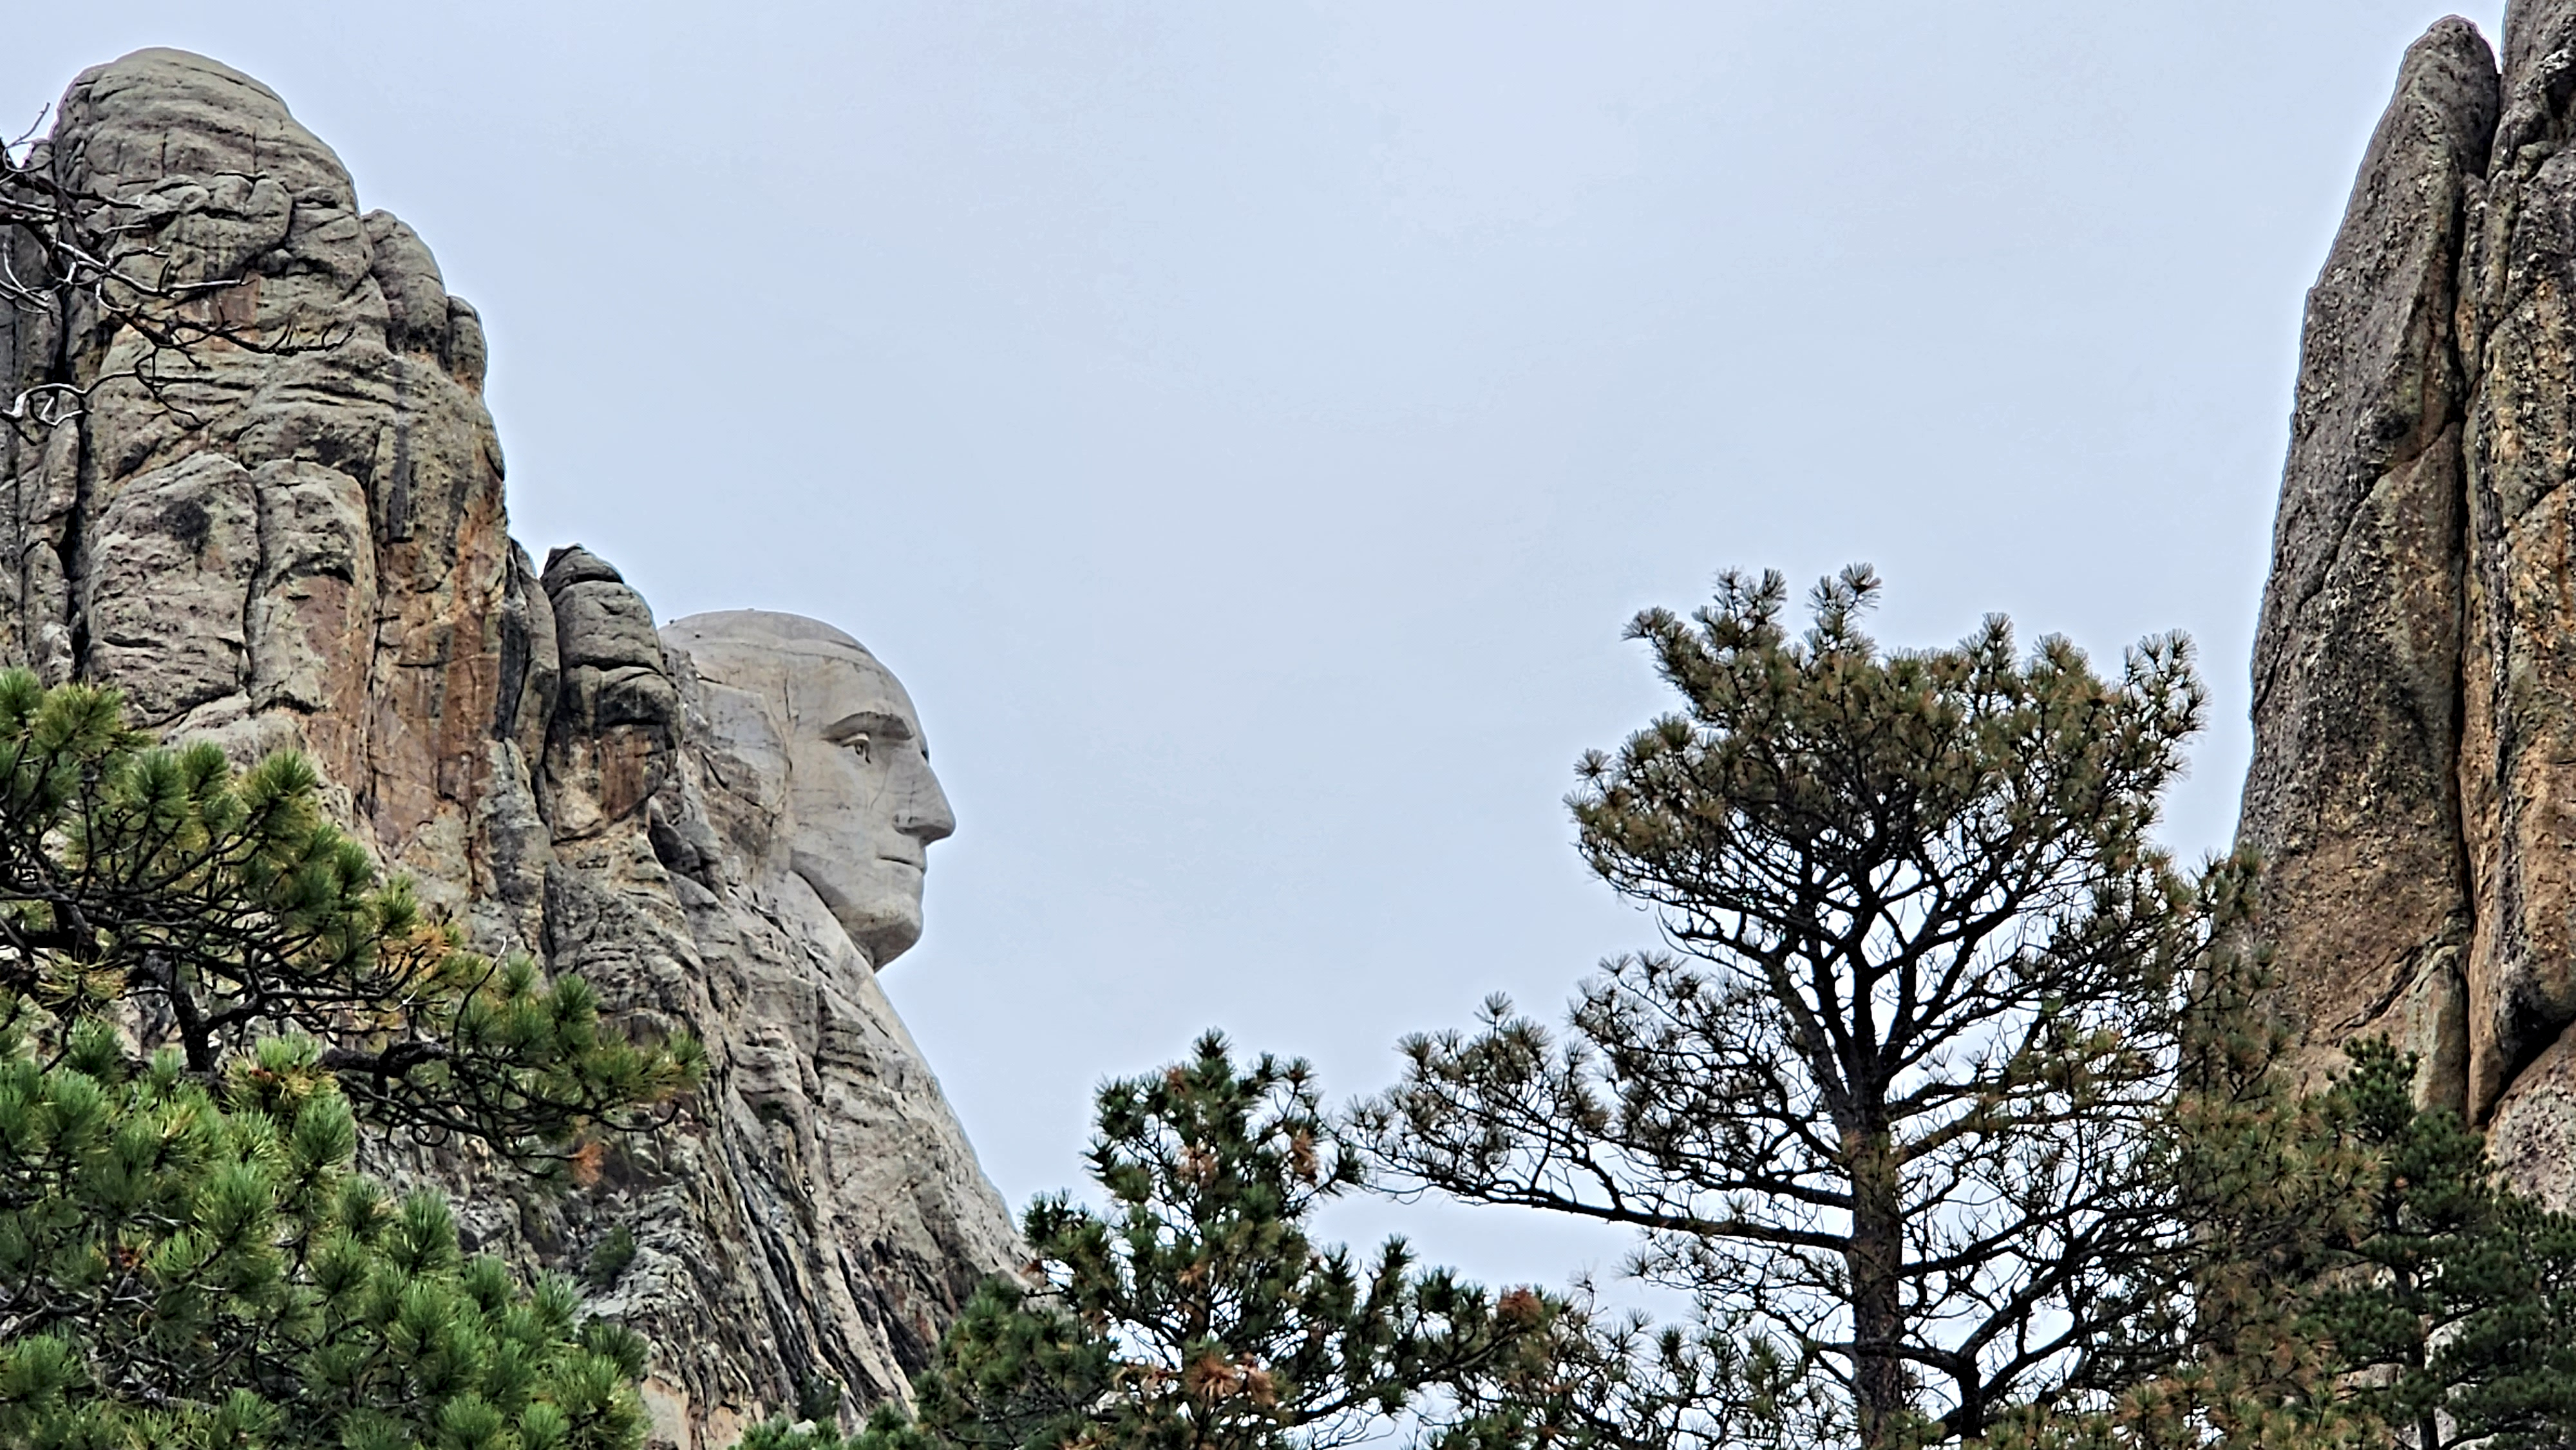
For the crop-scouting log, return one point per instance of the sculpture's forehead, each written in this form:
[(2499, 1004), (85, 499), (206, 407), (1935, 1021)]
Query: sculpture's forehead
[(807, 675), (828, 684)]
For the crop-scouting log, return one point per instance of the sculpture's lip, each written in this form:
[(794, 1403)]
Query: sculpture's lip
[(912, 862)]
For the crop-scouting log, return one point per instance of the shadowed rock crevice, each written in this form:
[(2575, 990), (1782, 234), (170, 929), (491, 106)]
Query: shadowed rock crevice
[(309, 549)]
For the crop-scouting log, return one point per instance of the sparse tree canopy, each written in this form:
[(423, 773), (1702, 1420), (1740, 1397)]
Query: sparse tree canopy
[(1196, 1314), (1894, 1096)]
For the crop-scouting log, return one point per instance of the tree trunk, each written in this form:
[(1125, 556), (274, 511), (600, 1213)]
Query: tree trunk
[(183, 1008), (1874, 1261), (2428, 1425), (1968, 1422)]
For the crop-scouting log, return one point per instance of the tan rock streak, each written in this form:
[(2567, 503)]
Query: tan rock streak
[(2518, 762), (309, 548)]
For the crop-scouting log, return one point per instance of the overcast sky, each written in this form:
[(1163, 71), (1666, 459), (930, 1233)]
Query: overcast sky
[(1246, 427)]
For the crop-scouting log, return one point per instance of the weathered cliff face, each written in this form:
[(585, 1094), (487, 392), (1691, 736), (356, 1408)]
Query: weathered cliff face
[(2353, 795), (308, 549), (2414, 778)]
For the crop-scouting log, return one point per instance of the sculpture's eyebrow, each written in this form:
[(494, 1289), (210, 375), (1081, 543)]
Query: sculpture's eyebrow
[(871, 723)]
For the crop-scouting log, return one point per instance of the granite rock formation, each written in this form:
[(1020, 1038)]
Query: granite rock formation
[(309, 549), (2413, 788), (2354, 792)]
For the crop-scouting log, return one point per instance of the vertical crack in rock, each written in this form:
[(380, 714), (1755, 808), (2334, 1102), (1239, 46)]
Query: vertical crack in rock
[(2518, 758), (315, 555)]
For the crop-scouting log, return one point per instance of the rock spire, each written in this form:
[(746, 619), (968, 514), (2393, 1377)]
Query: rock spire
[(2413, 787)]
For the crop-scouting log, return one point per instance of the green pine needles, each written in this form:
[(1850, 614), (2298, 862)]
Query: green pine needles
[(1194, 1312), (1892, 1098), (1956, 1108), (224, 909), (2448, 1300), (179, 1272), (206, 997)]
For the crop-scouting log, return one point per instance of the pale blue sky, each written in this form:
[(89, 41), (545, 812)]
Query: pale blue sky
[(1246, 427)]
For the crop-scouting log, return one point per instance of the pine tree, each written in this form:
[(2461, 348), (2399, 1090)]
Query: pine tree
[(2267, 1185), (206, 998), (224, 909), (2450, 1308), (2363, 1279), (1194, 1312), (1893, 1097), (185, 1264)]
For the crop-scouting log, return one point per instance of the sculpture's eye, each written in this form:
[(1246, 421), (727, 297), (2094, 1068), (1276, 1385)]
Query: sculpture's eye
[(860, 747)]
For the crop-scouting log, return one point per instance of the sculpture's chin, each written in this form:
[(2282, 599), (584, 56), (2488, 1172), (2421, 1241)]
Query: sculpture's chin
[(884, 940), (882, 917)]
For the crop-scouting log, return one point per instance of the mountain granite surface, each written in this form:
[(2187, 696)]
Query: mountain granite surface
[(309, 549), (2413, 786)]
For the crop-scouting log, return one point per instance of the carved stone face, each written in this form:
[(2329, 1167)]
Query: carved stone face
[(864, 804), (860, 806)]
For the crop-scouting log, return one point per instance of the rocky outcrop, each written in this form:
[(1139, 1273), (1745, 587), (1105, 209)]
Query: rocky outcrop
[(306, 547), (2353, 796), (2413, 789)]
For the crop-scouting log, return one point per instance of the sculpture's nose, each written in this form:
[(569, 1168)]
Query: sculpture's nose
[(924, 814)]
